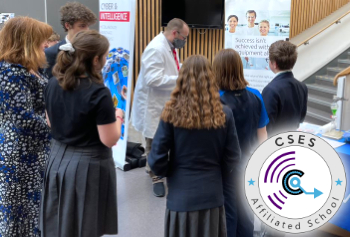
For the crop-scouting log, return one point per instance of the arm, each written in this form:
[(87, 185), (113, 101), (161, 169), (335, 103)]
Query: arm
[(272, 103), (110, 133), (108, 123), (262, 134), (304, 110), (51, 61), (263, 122), (17, 104), (47, 119), (162, 142), (230, 172), (154, 63)]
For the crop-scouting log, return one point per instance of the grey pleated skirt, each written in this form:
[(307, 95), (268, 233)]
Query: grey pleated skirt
[(203, 223), (79, 197)]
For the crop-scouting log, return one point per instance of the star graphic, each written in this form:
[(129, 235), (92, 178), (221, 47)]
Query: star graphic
[(251, 182), (338, 182)]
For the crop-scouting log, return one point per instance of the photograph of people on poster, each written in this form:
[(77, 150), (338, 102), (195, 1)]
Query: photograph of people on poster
[(5, 17), (251, 30)]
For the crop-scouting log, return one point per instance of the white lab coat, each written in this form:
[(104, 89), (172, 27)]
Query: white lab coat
[(156, 81)]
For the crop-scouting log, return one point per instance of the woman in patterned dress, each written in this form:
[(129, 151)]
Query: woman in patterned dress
[(24, 134)]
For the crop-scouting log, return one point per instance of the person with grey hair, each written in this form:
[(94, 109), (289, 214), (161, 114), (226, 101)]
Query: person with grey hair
[(160, 67)]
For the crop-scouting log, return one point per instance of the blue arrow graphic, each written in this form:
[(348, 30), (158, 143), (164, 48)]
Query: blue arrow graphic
[(316, 192)]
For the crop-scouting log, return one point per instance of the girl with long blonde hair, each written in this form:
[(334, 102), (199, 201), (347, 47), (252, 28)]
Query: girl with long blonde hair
[(196, 147)]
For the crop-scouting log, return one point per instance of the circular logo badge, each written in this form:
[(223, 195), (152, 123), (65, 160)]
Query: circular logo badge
[(295, 182)]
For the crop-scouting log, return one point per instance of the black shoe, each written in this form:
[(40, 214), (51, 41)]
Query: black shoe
[(159, 189)]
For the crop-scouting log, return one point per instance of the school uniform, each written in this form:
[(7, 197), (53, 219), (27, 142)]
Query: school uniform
[(79, 197), (249, 112), (199, 165), (51, 57), (286, 103)]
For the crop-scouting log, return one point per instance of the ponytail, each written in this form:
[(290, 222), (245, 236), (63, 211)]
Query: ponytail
[(77, 59)]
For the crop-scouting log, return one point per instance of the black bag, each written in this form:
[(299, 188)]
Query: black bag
[(134, 155)]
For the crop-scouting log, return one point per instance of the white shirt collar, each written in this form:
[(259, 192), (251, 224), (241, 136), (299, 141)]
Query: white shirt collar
[(281, 72), (67, 40)]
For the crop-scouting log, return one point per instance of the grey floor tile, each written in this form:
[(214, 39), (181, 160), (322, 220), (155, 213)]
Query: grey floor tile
[(140, 213)]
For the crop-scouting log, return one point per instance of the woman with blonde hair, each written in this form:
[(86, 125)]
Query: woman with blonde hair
[(80, 191), (264, 27), (199, 135), (24, 134), (250, 119)]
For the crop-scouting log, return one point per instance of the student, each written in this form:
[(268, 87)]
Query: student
[(196, 147), (285, 97), (24, 134), (53, 40), (160, 66), (250, 120), (75, 17), (79, 195)]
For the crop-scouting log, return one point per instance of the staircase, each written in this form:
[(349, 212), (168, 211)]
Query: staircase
[(322, 90)]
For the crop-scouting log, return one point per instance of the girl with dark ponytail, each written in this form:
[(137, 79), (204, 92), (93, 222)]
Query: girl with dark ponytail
[(79, 195)]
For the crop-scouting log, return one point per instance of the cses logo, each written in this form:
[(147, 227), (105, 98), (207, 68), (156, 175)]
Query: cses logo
[(295, 182)]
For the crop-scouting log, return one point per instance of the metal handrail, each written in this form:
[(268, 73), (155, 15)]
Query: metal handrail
[(305, 42)]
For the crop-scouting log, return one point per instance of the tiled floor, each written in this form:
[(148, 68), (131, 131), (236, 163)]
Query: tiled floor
[(140, 213)]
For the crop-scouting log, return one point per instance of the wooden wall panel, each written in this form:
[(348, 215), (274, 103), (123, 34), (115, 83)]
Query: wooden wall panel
[(304, 14)]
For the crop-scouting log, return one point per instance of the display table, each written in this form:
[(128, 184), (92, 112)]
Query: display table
[(340, 223)]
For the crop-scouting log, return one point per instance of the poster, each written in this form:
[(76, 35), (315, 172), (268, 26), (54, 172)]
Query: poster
[(117, 23), (5, 17), (251, 27)]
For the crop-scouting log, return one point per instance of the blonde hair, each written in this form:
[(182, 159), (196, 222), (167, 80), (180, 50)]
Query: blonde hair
[(195, 102), (265, 21), (54, 37), (21, 40)]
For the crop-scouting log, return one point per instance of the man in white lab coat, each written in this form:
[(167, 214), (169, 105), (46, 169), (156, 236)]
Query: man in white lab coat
[(160, 67)]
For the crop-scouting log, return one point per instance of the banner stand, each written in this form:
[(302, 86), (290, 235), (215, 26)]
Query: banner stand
[(117, 23)]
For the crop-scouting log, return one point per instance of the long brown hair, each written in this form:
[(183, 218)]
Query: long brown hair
[(195, 102), (228, 69), (21, 40), (71, 66)]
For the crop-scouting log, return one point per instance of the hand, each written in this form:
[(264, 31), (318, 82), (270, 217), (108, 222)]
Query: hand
[(124, 92), (119, 113)]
